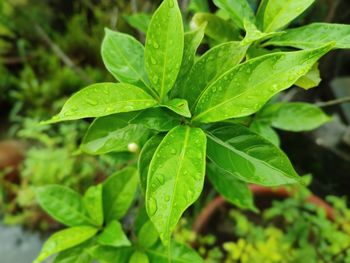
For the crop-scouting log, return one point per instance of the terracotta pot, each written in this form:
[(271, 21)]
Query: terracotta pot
[(219, 202)]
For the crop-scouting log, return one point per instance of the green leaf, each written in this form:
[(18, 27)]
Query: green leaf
[(145, 158), (65, 239), (113, 235), (295, 116), (179, 106), (239, 10), (314, 35), (254, 34), (179, 254), (140, 21), (74, 254), (249, 157), (123, 56), (164, 47), (118, 193), (105, 254), (198, 6), (103, 99), (279, 13), (112, 134), (210, 67), (147, 235), (216, 28), (93, 203), (310, 80), (139, 257), (265, 130), (191, 44), (244, 89), (175, 177), (232, 189), (159, 119), (63, 204)]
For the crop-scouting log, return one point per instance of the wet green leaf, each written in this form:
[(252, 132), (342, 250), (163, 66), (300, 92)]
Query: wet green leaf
[(279, 13), (63, 204), (118, 193), (254, 34), (264, 129), (104, 99), (179, 106), (147, 235), (216, 28), (112, 133), (145, 158), (164, 47), (310, 80), (295, 116), (175, 177), (313, 36), (232, 189), (249, 157), (65, 239), (244, 89), (139, 257), (210, 67), (239, 10), (93, 203), (123, 56), (113, 235)]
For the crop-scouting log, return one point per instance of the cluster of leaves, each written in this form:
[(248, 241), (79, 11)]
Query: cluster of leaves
[(190, 109)]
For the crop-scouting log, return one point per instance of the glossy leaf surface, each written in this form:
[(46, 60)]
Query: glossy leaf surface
[(239, 10), (112, 134), (313, 36), (118, 193), (164, 46), (103, 99), (175, 177), (249, 157), (65, 239), (179, 106), (63, 204), (113, 235), (145, 158), (264, 129), (246, 88), (93, 203), (106, 254), (279, 13), (232, 189)]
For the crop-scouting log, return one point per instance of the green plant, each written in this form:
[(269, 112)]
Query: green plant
[(190, 108)]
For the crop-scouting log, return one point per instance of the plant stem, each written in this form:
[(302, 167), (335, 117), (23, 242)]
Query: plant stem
[(333, 102)]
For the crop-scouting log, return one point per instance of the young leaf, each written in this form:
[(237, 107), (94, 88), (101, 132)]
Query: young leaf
[(279, 13), (63, 204), (118, 193), (175, 177), (216, 28), (239, 10), (310, 80), (147, 235), (75, 254), (140, 21), (179, 106), (313, 36), (295, 116), (123, 56), (113, 235), (139, 257), (249, 157), (232, 189), (192, 41), (209, 67), (65, 239), (244, 89), (106, 254), (103, 99), (145, 158), (254, 34), (112, 134), (158, 119), (164, 46), (179, 254), (264, 129), (93, 203)]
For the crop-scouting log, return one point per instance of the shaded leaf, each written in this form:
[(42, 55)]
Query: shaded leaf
[(265, 130), (179, 106), (175, 177), (139, 257), (310, 80), (113, 235), (147, 235), (93, 203)]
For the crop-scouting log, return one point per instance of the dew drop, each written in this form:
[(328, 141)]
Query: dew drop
[(173, 151), (171, 3), (167, 198), (155, 79), (155, 45), (152, 206), (91, 102), (153, 61), (160, 179)]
